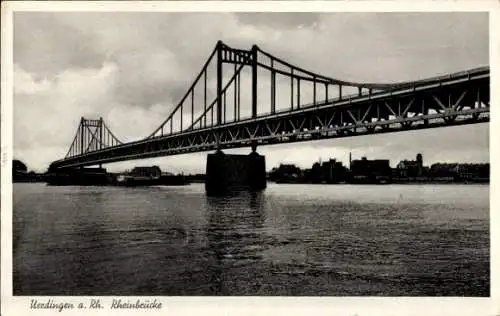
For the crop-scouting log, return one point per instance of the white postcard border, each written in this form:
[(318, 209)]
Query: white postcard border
[(347, 306)]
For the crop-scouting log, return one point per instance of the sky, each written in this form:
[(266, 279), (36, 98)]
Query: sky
[(132, 68)]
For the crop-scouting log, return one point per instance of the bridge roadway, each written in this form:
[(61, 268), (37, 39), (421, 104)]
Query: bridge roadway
[(460, 98)]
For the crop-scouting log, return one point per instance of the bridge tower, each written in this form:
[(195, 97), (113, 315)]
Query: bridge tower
[(226, 172), (91, 135)]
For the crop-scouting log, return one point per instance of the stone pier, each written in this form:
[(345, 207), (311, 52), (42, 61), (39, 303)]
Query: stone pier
[(227, 173)]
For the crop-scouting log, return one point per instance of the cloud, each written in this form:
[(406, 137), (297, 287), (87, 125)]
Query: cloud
[(45, 46), (278, 20), (46, 113), (132, 68)]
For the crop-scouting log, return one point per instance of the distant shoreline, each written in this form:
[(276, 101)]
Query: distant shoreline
[(340, 183), (390, 183)]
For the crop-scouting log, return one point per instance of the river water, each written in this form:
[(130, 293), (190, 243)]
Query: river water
[(288, 240)]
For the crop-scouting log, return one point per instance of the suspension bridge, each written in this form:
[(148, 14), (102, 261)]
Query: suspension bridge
[(250, 98)]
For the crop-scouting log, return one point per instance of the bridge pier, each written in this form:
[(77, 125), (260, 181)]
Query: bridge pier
[(228, 173)]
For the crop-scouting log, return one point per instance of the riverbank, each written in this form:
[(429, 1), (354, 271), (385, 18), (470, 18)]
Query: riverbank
[(177, 180), (98, 177), (393, 181)]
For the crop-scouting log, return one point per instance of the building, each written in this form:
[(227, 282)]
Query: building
[(316, 174), (444, 170), (370, 170), (474, 171), (461, 171), (153, 171), (333, 171), (411, 168), (285, 173)]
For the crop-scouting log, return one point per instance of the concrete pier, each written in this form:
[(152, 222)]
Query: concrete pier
[(226, 173)]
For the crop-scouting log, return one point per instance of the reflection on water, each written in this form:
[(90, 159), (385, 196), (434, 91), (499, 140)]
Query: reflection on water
[(287, 240), (234, 234)]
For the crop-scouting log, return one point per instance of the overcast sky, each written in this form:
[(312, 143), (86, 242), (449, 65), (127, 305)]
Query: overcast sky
[(132, 68)]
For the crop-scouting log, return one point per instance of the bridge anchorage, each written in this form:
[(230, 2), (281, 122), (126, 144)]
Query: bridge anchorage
[(250, 98)]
